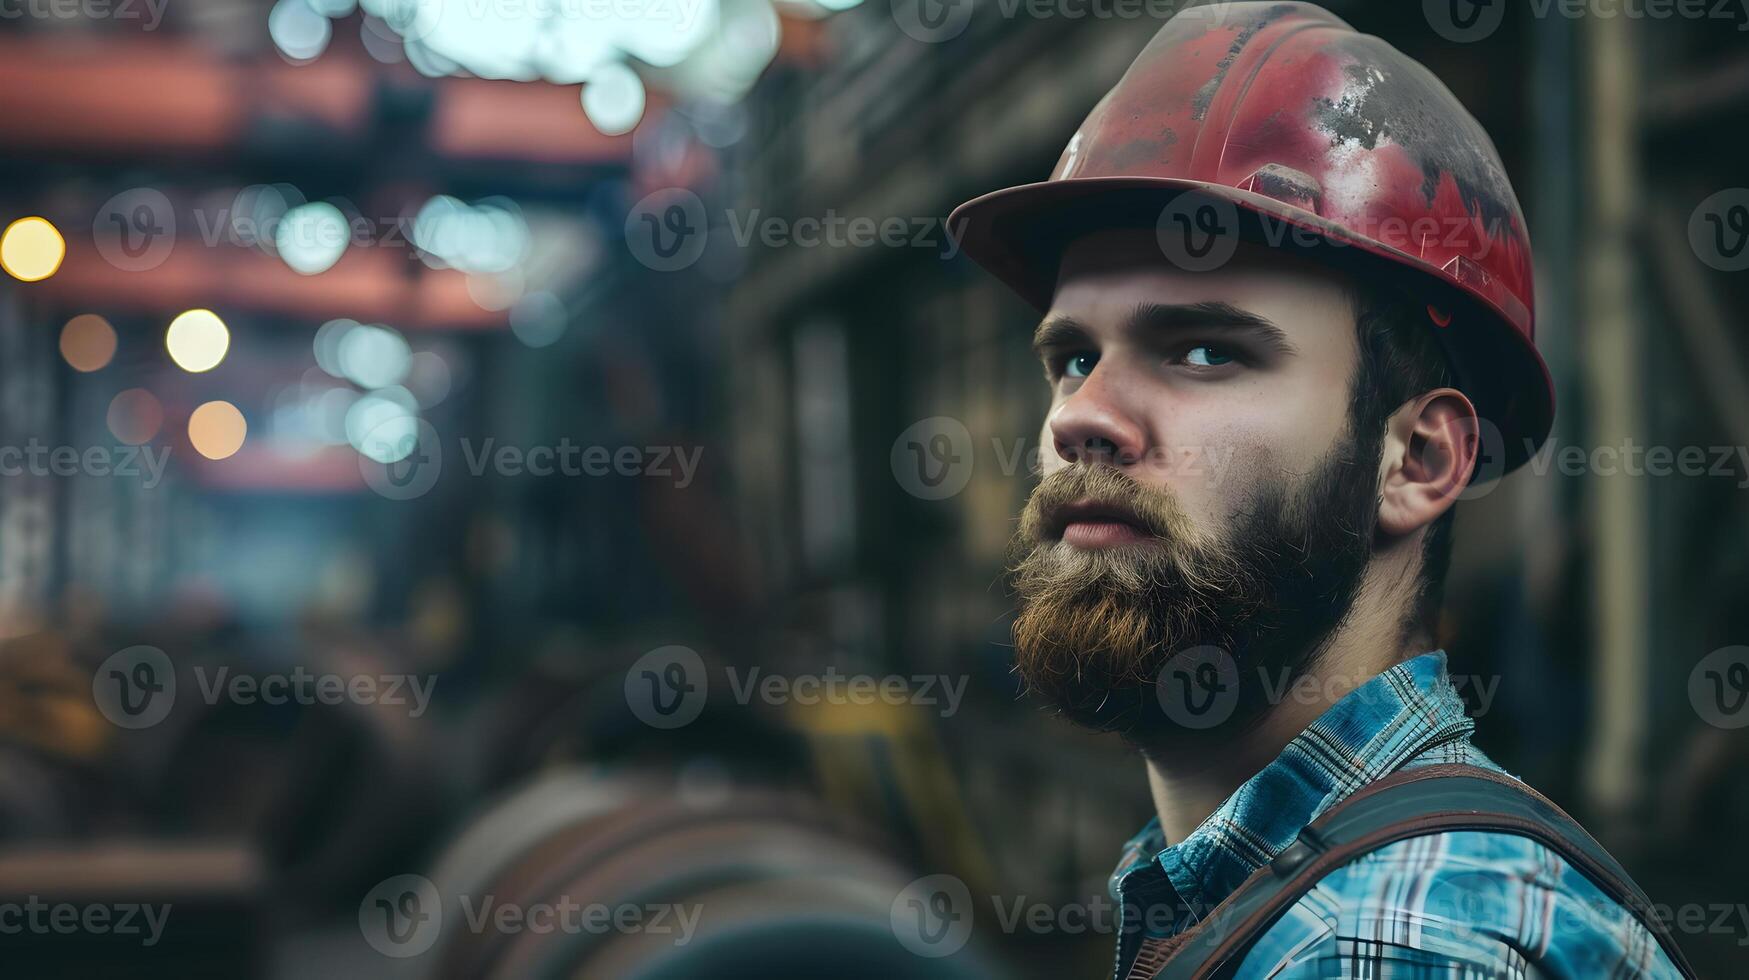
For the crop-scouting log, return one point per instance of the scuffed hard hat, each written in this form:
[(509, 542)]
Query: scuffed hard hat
[(1279, 123)]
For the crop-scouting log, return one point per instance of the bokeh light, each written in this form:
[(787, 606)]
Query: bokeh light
[(613, 98), (373, 356), (197, 340), (384, 425), (328, 413), (489, 236), (135, 416), (88, 342), (258, 210), (298, 30), (327, 344), (428, 378), (31, 249), (217, 429), (312, 237)]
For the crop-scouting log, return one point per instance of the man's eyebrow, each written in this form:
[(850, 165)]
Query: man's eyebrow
[(1065, 331), (1164, 316), (1059, 331)]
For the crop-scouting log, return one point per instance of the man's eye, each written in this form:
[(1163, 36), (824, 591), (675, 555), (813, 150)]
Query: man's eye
[(1207, 355), (1079, 365)]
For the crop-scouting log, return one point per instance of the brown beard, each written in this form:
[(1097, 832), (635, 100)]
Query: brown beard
[(1096, 627)]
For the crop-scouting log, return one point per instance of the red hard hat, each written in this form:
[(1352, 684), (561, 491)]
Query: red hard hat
[(1304, 133)]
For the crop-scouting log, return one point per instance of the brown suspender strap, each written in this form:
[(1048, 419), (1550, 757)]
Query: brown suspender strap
[(1410, 803)]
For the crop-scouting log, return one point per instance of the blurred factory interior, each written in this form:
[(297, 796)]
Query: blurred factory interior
[(335, 270)]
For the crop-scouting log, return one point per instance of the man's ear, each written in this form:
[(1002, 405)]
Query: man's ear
[(1431, 446)]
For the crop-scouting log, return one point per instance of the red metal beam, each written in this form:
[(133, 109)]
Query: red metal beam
[(368, 283), (133, 95)]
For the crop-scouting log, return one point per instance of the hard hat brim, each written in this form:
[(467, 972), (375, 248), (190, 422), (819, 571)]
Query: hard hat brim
[(1019, 235)]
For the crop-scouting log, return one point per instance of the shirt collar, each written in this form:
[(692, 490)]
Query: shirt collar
[(1367, 734)]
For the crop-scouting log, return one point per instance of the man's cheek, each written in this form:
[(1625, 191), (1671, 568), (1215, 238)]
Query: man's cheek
[(1048, 460)]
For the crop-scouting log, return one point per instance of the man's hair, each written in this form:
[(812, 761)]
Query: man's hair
[(1400, 359)]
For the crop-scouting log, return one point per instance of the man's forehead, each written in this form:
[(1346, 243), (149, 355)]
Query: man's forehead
[(1130, 260)]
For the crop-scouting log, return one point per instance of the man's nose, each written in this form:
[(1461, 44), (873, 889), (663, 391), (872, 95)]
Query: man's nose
[(1095, 425)]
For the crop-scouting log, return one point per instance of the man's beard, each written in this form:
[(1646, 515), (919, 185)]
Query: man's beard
[(1097, 627)]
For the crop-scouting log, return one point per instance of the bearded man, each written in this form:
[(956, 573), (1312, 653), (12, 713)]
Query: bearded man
[(1288, 321)]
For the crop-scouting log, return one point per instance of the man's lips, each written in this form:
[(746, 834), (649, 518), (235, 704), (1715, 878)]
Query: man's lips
[(1089, 524)]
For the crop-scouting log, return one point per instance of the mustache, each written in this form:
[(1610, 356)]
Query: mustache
[(1101, 490)]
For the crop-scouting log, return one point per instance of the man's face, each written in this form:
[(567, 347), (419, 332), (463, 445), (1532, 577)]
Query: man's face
[(1204, 485)]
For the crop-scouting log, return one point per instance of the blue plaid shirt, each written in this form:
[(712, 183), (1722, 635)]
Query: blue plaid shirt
[(1454, 904)]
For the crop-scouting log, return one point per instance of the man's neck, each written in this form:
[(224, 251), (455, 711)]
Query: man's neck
[(1192, 777)]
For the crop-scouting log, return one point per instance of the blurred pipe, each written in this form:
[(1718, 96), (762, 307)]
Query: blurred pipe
[(1546, 525), (117, 95), (1700, 318), (1614, 385), (1695, 98)]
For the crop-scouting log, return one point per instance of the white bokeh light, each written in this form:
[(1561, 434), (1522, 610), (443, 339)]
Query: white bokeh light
[(373, 356), (384, 425), (613, 98), (298, 30), (311, 237)]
